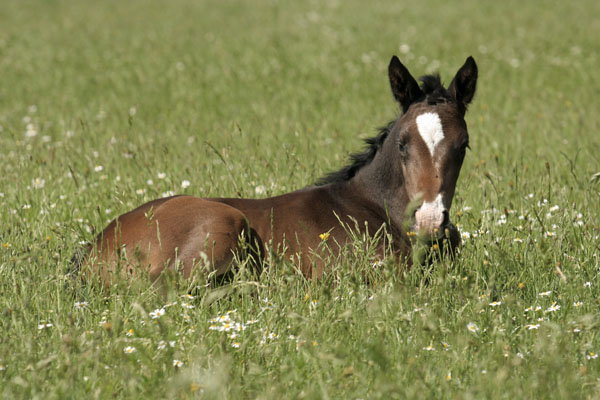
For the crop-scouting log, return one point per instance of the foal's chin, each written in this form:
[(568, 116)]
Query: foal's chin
[(443, 242)]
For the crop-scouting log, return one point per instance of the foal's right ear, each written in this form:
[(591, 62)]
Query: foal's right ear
[(405, 88)]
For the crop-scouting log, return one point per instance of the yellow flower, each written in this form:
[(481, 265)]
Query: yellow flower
[(521, 285), (195, 387), (6, 245), (411, 233), (324, 236)]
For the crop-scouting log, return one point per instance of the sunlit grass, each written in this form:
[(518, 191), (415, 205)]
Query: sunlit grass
[(104, 106)]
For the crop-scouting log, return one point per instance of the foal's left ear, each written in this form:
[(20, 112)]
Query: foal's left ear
[(464, 84)]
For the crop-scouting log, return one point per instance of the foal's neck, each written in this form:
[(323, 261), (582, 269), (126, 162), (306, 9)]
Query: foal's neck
[(383, 190)]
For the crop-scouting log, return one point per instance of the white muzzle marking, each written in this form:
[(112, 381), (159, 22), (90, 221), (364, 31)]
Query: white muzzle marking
[(430, 216), (430, 129)]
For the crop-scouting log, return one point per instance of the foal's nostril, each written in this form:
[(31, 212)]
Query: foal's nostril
[(446, 220)]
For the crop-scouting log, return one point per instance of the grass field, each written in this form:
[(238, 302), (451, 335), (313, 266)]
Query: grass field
[(105, 105)]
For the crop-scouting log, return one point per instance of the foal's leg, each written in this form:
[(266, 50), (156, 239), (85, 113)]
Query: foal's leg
[(173, 232), (185, 227)]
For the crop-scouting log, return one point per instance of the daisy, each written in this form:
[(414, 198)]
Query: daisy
[(532, 326), (592, 355), (31, 131), (129, 350), (495, 303), (185, 184), (226, 327), (577, 304), (177, 363), (223, 318), (159, 312), (38, 183), (44, 325), (553, 307), (472, 327), (80, 304), (548, 293)]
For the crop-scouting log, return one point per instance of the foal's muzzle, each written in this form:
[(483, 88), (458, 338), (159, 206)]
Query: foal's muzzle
[(431, 219)]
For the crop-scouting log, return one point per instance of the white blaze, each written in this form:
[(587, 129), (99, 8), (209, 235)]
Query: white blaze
[(430, 129)]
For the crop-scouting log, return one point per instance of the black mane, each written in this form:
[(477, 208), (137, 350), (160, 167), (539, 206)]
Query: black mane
[(358, 160), (434, 93)]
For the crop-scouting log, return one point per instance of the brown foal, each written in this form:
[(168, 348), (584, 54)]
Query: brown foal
[(415, 158)]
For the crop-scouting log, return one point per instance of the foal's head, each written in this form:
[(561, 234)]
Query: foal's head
[(430, 140)]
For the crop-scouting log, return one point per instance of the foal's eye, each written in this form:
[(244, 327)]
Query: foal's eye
[(403, 147)]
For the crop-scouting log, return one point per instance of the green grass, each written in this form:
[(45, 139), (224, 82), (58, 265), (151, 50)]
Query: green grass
[(284, 91)]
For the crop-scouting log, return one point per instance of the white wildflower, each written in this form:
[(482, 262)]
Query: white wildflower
[(159, 312)]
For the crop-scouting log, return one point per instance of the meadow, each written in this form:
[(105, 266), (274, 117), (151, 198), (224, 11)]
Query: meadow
[(105, 105)]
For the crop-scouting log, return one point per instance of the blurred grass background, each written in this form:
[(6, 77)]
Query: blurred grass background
[(99, 99)]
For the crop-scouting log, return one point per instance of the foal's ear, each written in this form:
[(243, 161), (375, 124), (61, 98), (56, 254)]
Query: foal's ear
[(464, 84), (404, 87)]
